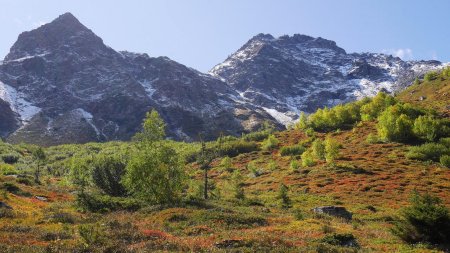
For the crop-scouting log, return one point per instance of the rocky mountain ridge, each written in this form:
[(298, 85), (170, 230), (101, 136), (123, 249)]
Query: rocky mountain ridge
[(60, 84)]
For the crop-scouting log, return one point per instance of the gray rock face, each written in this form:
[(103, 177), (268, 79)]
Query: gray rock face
[(290, 74), (337, 211), (64, 85)]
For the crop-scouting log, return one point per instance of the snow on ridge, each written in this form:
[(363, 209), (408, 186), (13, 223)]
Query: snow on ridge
[(28, 57), (17, 103), (88, 117), (279, 116), (148, 86)]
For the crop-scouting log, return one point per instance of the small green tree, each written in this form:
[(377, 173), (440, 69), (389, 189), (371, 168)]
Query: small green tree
[(427, 128), (331, 149), (270, 143), (39, 158), (294, 165), (226, 163), (318, 149), (308, 158), (272, 165), (238, 185), (155, 175), (394, 125), (153, 128), (155, 172), (425, 220), (283, 196), (302, 122)]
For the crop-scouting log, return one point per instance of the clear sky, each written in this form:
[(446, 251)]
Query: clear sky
[(202, 33)]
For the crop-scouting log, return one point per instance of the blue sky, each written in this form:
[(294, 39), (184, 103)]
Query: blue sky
[(202, 33)]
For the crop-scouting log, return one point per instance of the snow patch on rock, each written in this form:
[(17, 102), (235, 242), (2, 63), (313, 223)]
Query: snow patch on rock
[(16, 100)]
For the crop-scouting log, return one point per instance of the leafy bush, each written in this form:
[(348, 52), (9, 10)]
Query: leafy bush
[(284, 197), (155, 174), (445, 160), (7, 169), (331, 149), (428, 151), (372, 139), (234, 148), (107, 174), (251, 166), (426, 220), (430, 76), (378, 104), (226, 163), (394, 125), (346, 240), (270, 143), (256, 136), (308, 158), (292, 150), (446, 72), (104, 203), (294, 165), (318, 149), (429, 128)]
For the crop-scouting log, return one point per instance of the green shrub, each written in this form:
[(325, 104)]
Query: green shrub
[(445, 160), (425, 220), (226, 163), (378, 104), (393, 125), (7, 169), (308, 159), (107, 173), (428, 151), (256, 136), (430, 76), (272, 165), (345, 240), (283, 196), (234, 148), (446, 72), (318, 149), (270, 143), (238, 185), (331, 149), (372, 139), (429, 128), (104, 203), (155, 174), (294, 166), (292, 150), (253, 169)]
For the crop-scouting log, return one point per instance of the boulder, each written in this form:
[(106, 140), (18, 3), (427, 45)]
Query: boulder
[(336, 211)]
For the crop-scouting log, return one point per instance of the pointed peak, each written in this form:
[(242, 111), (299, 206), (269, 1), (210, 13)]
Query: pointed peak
[(66, 18), (64, 30)]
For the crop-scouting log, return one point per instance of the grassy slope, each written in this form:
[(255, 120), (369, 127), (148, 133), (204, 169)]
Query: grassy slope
[(366, 175)]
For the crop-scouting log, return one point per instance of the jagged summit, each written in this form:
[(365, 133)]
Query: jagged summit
[(60, 84), (63, 32)]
